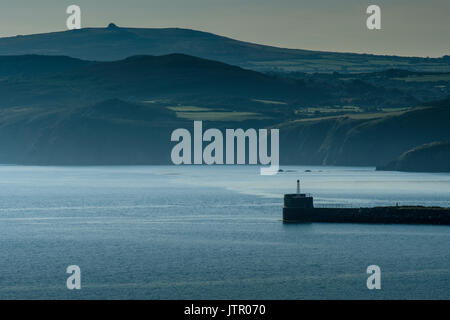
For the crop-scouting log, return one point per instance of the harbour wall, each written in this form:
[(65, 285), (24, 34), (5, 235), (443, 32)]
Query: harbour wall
[(382, 215)]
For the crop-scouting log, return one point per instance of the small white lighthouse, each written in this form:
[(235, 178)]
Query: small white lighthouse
[(297, 206)]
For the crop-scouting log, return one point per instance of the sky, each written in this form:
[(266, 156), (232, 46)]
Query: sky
[(408, 27)]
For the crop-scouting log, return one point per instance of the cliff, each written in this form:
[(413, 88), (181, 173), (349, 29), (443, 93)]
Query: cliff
[(431, 157)]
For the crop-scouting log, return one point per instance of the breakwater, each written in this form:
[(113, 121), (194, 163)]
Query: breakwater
[(299, 208), (400, 215)]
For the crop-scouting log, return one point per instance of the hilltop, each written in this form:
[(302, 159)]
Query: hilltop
[(116, 43)]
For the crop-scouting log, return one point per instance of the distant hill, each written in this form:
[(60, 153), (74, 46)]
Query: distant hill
[(116, 43), (430, 157), (35, 65), (119, 132), (34, 80), (137, 78), (366, 140), (110, 132), (62, 110)]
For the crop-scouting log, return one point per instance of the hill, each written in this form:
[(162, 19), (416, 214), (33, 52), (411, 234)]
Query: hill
[(120, 132), (366, 140), (109, 132), (178, 79), (116, 43), (61, 110), (137, 78), (430, 157), (35, 65)]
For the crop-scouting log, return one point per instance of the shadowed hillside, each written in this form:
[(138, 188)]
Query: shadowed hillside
[(111, 132), (366, 141), (118, 132), (34, 65), (138, 78), (430, 157), (34, 80), (61, 110)]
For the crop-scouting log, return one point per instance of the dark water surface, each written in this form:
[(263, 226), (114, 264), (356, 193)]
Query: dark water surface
[(166, 232)]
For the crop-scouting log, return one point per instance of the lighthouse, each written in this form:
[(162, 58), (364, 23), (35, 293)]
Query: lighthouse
[(298, 200)]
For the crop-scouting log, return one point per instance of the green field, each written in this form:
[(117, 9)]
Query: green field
[(220, 116), (426, 78), (189, 109), (360, 116), (328, 110), (269, 102)]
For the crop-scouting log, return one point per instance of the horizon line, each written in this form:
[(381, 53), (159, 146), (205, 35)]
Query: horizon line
[(225, 36)]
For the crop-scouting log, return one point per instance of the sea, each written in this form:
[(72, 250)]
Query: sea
[(214, 232)]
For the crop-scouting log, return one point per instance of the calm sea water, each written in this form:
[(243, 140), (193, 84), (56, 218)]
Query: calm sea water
[(155, 232)]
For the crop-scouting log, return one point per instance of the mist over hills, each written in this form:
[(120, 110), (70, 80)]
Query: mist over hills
[(119, 132), (64, 110), (116, 43)]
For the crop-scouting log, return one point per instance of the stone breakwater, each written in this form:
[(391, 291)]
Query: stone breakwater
[(384, 215), (299, 208)]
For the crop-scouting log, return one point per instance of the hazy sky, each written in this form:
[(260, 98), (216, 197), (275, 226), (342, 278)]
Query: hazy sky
[(409, 27)]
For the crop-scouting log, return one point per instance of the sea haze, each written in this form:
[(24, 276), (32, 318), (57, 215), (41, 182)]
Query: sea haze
[(195, 232)]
